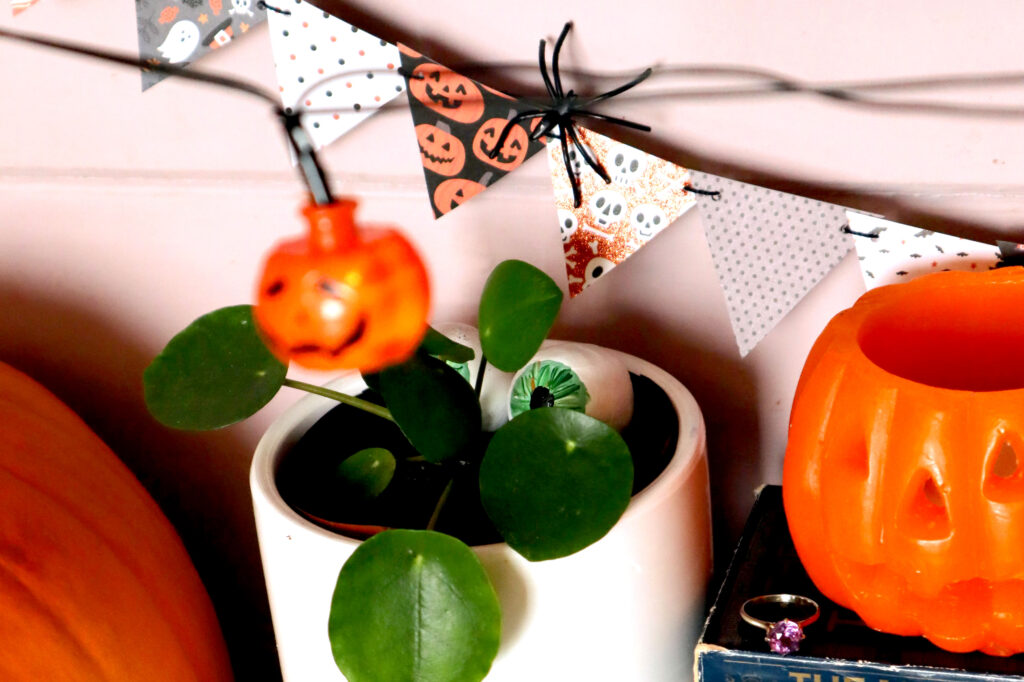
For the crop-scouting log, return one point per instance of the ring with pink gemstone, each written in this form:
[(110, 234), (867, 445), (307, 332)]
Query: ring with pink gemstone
[(783, 635)]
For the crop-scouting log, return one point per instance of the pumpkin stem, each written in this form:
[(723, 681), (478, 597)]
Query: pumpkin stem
[(332, 227)]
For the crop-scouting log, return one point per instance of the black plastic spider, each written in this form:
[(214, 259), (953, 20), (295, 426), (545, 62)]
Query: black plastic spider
[(561, 112)]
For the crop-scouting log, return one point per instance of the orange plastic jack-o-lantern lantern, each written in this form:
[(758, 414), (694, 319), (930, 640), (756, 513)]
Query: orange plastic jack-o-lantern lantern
[(447, 93), (904, 474), (440, 151), (341, 297), (512, 152), (451, 194)]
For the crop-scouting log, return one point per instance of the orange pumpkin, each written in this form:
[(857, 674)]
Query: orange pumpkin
[(447, 93), (452, 193), (513, 151), (343, 298), (902, 485), (95, 585), (440, 151)]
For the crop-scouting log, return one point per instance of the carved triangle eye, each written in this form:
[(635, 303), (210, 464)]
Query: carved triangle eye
[(1004, 470), (925, 512)]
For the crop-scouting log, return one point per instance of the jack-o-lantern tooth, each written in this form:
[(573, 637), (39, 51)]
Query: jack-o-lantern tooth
[(440, 151), (513, 151)]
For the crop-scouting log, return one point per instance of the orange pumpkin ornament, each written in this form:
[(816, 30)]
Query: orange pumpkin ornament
[(95, 584), (904, 473), (447, 93), (440, 151), (343, 297), (513, 151)]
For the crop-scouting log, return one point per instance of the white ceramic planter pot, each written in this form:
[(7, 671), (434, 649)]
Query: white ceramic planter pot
[(628, 607)]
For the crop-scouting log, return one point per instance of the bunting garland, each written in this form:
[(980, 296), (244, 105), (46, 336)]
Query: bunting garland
[(613, 220), (890, 253), (179, 32), (332, 68), (769, 249), (458, 121)]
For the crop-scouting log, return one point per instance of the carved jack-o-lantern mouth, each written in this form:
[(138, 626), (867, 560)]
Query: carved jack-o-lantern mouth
[(513, 150), (501, 157), (357, 333), (444, 100), (440, 151)]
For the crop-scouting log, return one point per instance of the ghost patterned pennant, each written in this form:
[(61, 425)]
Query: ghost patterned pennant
[(19, 6), (178, 32), (890, 252), (457, 123), (614, 219), (769, 249), (340, 73)]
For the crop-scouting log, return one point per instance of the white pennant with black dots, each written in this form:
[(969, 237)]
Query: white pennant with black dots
[(769, 249), (337, 71)]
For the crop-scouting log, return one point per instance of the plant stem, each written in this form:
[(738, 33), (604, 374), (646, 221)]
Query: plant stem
[(480, 376), (352, 401), (440, 503)]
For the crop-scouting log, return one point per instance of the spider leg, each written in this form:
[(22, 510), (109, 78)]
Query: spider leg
[(577, 198), (508, 129), (621, 89), (554, 59), (542, 58), (612, 119), (587, 156)]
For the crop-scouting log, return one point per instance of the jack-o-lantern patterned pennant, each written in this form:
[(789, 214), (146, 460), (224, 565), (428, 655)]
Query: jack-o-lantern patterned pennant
[(178, 32), (614, 219), (336, 71), (769, 249), (890, 252), (458, 120)]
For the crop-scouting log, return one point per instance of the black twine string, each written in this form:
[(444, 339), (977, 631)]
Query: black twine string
[(561, 112), (869, 235), (312, 172), (263, 5), (715, 194)]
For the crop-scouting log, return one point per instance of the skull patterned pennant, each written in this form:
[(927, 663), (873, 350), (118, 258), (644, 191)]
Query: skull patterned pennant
[(458, 121), (890, 252), (339, 73), (769, 249), (613, 220), (179, 32)]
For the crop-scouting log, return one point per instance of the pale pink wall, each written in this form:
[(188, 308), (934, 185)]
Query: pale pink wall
[(124, 216)]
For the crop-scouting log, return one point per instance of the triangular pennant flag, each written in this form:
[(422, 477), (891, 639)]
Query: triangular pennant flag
[(330, 67), (769, 249), (179, 32), (898, 253), (19, 6), (458, 121), (614, 219)]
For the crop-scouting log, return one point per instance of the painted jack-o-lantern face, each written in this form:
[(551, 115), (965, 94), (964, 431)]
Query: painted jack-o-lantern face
[(341, 299), (447, 93), (904, 473), (451, 194), (440, 151), (512, 152)]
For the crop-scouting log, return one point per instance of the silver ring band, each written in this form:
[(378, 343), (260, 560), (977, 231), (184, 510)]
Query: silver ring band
[(784, 600)]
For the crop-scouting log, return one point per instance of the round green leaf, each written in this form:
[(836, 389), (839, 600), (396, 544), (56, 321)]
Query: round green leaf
[(554, 481), (365, 474), (440, 346), (215, 372), (414, 605), (518, 306), (433, 405)]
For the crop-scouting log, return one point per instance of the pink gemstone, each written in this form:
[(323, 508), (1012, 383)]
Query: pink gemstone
[(784, 637)]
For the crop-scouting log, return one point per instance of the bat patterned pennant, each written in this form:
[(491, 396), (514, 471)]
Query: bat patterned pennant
[(890, 252), (457, 121), (614, 219), (178, 32)]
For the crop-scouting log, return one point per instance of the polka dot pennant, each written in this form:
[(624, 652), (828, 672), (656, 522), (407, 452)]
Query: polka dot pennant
[(335, 70), (614, 219), (899, 253), (769, 249)]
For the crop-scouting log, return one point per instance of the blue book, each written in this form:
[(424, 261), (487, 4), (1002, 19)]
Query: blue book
[(839, 647)]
